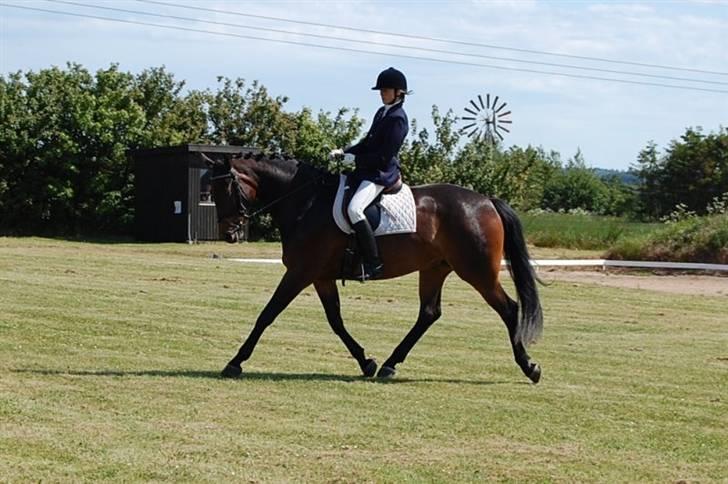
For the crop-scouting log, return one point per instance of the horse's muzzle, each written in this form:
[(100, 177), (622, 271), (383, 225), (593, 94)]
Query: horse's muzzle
[(231, 232), (232, 237)]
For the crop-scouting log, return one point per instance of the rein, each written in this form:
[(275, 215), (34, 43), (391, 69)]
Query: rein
[(283, 197)]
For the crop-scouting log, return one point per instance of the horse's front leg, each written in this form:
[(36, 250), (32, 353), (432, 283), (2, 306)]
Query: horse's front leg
[(290, 286), (329, 295)]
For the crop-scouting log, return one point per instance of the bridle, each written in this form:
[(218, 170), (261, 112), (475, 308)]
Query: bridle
[(239, 193), (242, 201)]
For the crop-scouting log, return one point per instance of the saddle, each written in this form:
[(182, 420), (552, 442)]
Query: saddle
[(373, 212), (351, 264)]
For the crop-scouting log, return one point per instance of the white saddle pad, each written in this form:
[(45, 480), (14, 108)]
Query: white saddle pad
[(399, 215)]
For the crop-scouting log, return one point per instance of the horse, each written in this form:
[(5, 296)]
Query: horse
[(458, 230)]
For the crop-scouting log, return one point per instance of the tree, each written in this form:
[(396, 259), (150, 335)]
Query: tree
[(575, 187), (247, 115), (693, 171), (64, 137), (426, 161)]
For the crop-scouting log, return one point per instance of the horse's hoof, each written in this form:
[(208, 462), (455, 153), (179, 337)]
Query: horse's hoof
[(231, 371), (370, 367), (535, 373), (386, 372)]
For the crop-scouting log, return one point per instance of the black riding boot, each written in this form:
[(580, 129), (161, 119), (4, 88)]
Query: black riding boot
[(368, 245)]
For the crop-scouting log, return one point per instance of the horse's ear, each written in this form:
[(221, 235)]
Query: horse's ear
[(208, 161)]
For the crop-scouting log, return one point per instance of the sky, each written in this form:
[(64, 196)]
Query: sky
[(610, 122)]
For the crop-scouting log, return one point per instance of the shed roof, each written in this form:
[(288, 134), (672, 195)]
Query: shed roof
[(188, 148)]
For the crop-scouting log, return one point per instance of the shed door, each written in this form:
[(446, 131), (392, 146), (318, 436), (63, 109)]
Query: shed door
[(203, 216)]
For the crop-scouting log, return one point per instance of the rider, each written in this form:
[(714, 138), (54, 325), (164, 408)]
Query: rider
[(377, 165)]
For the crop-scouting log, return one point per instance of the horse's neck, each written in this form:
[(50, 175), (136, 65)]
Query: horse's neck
[(275, 179), (288, 187)]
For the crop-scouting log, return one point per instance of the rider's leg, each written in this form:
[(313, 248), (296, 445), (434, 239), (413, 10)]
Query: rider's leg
[(364, 195)]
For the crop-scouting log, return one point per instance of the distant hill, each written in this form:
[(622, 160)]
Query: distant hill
[(625, 176)]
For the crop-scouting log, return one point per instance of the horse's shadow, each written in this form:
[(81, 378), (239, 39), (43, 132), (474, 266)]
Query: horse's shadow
[(258, 376)]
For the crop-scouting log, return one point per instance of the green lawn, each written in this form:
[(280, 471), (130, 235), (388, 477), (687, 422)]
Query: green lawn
[(109, 356)]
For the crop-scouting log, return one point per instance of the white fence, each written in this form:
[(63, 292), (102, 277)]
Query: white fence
[(603, 263)]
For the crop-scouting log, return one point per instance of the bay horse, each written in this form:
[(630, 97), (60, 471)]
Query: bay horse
[(458, 230)]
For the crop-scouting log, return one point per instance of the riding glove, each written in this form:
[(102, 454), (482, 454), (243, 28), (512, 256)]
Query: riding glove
[(338, 154)]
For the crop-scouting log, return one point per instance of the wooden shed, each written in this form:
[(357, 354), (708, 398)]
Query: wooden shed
[(172, 189)]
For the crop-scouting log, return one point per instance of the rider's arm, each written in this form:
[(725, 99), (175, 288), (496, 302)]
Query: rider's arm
[(385, 147)]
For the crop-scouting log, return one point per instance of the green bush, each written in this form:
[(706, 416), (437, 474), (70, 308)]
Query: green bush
[(579, 229), (685, 237), (64, 134)]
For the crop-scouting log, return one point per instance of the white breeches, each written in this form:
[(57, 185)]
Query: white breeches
[(364, 195)]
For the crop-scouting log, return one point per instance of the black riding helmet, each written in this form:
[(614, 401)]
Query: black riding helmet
[(391, 78)]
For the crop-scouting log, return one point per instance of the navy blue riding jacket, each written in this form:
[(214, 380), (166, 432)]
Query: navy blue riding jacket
[(376, 155)]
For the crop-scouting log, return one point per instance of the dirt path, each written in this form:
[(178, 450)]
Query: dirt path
[(676, 284)]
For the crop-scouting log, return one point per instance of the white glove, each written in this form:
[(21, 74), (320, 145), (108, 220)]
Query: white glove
[(337, 153), (349, 158)]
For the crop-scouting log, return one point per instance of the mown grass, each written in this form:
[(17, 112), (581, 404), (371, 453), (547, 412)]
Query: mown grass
[(577, 231), (109, 355)]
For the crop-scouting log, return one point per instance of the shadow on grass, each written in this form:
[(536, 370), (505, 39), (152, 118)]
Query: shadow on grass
[(261, 376)]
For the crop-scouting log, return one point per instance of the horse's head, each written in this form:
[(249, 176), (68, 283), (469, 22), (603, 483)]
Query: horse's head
[(234, 189)]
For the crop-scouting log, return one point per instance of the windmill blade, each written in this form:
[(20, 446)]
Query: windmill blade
[(483, 119)]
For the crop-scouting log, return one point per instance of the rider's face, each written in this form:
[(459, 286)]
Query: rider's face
[(387, 95)]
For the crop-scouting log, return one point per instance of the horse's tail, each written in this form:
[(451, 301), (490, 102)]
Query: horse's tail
[(530, 325)]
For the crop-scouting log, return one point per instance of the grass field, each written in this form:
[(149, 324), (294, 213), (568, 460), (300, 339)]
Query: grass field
[(109, 356)]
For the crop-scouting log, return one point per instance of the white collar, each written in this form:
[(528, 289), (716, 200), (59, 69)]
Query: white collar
[(387, 107)]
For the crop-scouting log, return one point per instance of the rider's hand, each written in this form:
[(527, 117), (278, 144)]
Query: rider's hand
[(338, 153), (349, 158)]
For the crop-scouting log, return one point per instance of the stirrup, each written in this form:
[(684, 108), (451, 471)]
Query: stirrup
[(369, 272)]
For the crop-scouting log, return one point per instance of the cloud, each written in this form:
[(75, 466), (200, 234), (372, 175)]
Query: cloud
[(621, 9)]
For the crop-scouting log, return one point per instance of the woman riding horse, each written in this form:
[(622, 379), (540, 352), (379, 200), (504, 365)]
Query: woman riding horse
[(377, 165), (458, 231)]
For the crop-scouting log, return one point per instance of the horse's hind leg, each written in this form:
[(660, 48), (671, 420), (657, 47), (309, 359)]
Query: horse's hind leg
[(484, 278), (431, 281), (329, 295), (507, 309)]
